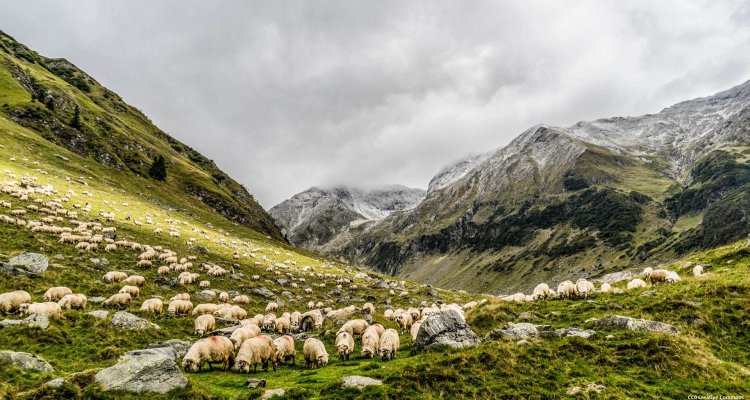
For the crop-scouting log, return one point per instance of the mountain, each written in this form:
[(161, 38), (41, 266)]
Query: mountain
[(577, 201), (67, 107), (322, 219)]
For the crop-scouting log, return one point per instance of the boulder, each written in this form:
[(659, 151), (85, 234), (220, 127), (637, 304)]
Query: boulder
[(56, 383), (139, 371), (272, 393), (10, 322), (27, 264), (359, 382), (100, 314), (25, 361), (255, 383), (128, 321), (521, 330), (262, 291), (570, 332), (96, 299), (445, 328), (180, 347), (635, 324), (40, 321)]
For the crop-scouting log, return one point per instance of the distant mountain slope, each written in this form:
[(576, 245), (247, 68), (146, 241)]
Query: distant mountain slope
[(45, 95), (317, 218), (578, 201)]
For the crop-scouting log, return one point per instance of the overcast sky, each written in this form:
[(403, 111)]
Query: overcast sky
[(285, 95)]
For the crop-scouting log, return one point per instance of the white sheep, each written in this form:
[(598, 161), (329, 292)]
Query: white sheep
[(284, 348), (605, 288), (415, 330), (663, 276), (566, 290), (542, 291), (76, 301), (49, 308), (56, 293), (271, 307), (636, 283), (154, 306), (214, 349), (370, 341), (132, 290), (354, 327), (204, 323), (584, 287), (205, 308), (315, 353), (117, 300), (179, 307), (344, 345), (389, 344), (115, 276), (135, 280), (256, 351), (243, 333), (11, 301)]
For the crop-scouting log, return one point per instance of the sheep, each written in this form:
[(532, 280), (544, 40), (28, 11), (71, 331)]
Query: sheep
[(310, 305), (566, 289), (11, 301), (224, 297), (233, 312), (51, 309), (470, 305), (241, 299), (370, 341), (647, 271), (257, 319), (584, 287), (354, 327), (517, 298), (698, 270), (204, 323), (115, 276), (269, 322), (56, 293), (117, 300), (76, 301), (214, 349), (415, 330), (110, 247), (344, 345), (243, 333), (284, 348), (283, 325), (368, 308), (389, 344), (388, 314), (605, 288), (663, 276), (180, 296), (144, 264), (542, 291), (133, 290), (153, 306), (179, 307), (405, 321), (254, 351), (135, 280), (271, 307), (636, 283), (204, 284), (315, 353), (205, 308), (164, 270)]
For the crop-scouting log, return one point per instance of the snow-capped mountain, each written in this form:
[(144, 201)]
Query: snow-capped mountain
[(316, 217), (454, 172)]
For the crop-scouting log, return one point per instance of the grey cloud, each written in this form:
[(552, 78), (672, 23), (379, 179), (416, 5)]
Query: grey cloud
[(289, 94)]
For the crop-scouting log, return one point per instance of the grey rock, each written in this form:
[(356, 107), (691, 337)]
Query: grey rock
[(635, 324), (164, 351), (359, 382), (255, 383), (25, 361), (528, 315), (143, 371), (56, 383), (381, 285), (523, 342), (30, 262), (40, 321), (180, 347), (128, 321), (203, 296), (96, 299), (59, 257), (272, 393), (521, 330), (616, 277), (649, 293), (281, 282), (10, 322), (571, 331), (100, 314), (445, 328), (287, 294), (262, 291)]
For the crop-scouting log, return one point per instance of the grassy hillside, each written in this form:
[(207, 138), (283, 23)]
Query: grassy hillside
[(64, 105)]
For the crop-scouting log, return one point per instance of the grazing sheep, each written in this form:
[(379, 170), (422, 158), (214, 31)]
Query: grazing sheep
[(133, 290), (76, 301), (153, 306), (204, 284), (204, 323), (605, 288), (144, 264), (214, 349), (344, 345), (284, 348), (271, 307), (368, 308), (542, 291), (255, 351), (415, 330), (647, 271), (636, 283), (205, 308), (310, 305), (370, 341), (180, 296), (117, 300), (11, 301), (224, 297), (283, 325), (389, 344), (698, 270), (468, 306), (257, 319), (115, 276), (49, 308), (233, 312), (566, 290), (135, 280), (405, 321), (164, 270), (179, 307), (584, 287), (241, 299), (294, 320), (354, 327), (269, 322), (315, 353), (663, 276), (388, 314), (243, 333), (56, 293)]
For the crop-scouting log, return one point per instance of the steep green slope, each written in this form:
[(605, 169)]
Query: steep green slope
[(45, 95)]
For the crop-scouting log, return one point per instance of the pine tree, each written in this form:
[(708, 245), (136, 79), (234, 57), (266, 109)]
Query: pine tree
[(158, 169)]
